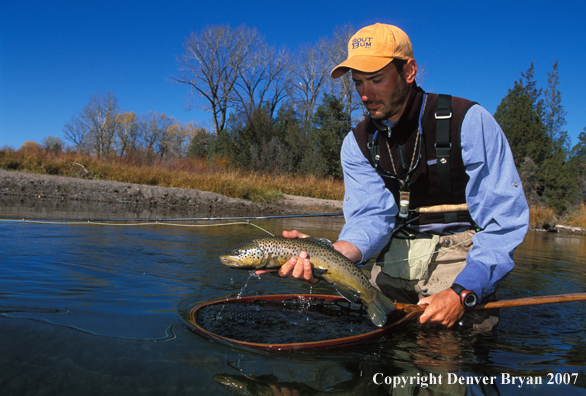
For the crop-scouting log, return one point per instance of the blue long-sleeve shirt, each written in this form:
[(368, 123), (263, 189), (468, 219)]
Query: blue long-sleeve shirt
[(494, 195)]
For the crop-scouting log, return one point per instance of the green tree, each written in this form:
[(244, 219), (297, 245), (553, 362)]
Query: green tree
[(222, 145), (288, 128), (520, 115), (554, 110), (251, 139), (331, 123), (200, 143), (52, 144), (559, 182), (578, 165)]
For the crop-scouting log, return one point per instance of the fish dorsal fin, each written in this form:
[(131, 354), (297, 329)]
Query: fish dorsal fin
[(321, 241)]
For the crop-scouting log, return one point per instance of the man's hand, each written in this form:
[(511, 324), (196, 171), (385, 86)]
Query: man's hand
[(442, 308), (297, 267), (300, 267)]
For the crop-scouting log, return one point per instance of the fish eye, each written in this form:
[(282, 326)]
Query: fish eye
[(235, 252)]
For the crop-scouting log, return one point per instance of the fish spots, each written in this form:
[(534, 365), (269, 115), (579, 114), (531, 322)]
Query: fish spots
[(337, 269)]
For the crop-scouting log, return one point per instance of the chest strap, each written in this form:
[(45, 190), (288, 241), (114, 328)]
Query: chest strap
[(443, 146)]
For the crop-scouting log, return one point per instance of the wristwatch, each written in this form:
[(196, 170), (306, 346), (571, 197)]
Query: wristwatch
[(468, 298)]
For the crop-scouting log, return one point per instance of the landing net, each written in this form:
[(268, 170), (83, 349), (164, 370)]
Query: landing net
[(285, 322)]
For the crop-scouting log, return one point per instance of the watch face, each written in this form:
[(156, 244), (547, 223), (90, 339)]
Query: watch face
[(469, 299)]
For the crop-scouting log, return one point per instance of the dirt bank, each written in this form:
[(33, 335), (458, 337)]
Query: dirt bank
[(26, 185)]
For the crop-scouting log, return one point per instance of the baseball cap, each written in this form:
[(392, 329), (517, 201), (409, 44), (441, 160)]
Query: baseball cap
[(373, 47)]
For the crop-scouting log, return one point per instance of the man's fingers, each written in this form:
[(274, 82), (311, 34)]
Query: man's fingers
[(287, 269), (265, 271), (299, 270), (294, 234)]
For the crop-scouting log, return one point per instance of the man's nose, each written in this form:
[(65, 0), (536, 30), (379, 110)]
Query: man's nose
[(366, 93)]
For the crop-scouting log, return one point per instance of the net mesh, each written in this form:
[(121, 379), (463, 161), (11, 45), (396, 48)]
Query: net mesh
[(285, 322)]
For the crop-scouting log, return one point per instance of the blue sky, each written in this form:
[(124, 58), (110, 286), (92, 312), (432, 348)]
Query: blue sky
[(54, 55)]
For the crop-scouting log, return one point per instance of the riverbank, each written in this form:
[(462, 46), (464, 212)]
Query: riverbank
[(154, 201), (21, 185)]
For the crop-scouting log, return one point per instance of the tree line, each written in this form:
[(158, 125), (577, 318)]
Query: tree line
[(102, 129), (275, 110), (552, 171)]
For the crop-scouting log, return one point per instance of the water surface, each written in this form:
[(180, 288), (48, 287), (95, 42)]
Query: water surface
[(98, 309)]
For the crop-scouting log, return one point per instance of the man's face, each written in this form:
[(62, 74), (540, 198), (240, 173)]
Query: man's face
[(383, 93)]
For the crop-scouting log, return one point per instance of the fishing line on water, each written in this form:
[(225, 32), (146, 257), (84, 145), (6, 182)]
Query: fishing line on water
[(142, 224), (153, 221), (163, 222), (110, 222)]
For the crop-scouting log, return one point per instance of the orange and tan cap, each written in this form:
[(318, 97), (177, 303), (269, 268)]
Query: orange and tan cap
[(374, 47)]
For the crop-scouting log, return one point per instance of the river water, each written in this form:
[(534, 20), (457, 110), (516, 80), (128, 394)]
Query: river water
[(99, 308)]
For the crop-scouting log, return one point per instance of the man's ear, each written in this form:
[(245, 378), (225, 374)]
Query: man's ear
[(410, 70)]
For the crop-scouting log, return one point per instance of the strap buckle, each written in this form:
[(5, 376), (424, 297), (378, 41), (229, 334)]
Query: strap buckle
[(442, 116)]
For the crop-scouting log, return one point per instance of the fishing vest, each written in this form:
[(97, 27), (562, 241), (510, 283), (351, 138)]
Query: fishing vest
[(443, 156)]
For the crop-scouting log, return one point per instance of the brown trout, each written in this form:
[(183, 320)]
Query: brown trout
[(326, 262)]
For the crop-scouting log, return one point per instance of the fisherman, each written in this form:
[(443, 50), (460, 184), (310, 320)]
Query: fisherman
[(414, 153)]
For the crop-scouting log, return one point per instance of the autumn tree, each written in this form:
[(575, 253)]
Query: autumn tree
[(128, 133), (28, 147), (175, 139)]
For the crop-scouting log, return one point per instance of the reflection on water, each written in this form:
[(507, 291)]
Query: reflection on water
[(98, 309)]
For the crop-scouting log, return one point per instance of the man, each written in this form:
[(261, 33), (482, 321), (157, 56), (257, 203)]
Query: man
[(397, 164)]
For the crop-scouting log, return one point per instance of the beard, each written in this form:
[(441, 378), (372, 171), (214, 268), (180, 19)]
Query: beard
[(394, 104)]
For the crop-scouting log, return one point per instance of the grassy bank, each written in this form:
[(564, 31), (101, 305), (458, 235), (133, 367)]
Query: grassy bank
[(217, 176), (197, 174)]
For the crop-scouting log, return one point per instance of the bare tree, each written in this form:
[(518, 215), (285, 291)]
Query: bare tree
[(152, 127), (343, 88), (263, 79), (76, 132), (211, 64), (309, 76), (99, 120), (96, 126)]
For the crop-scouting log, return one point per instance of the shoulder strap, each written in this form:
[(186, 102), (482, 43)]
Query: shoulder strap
[(443, 146), (365, 138)]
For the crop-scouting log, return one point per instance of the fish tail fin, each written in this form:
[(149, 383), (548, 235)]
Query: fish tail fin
[(379, 308)]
